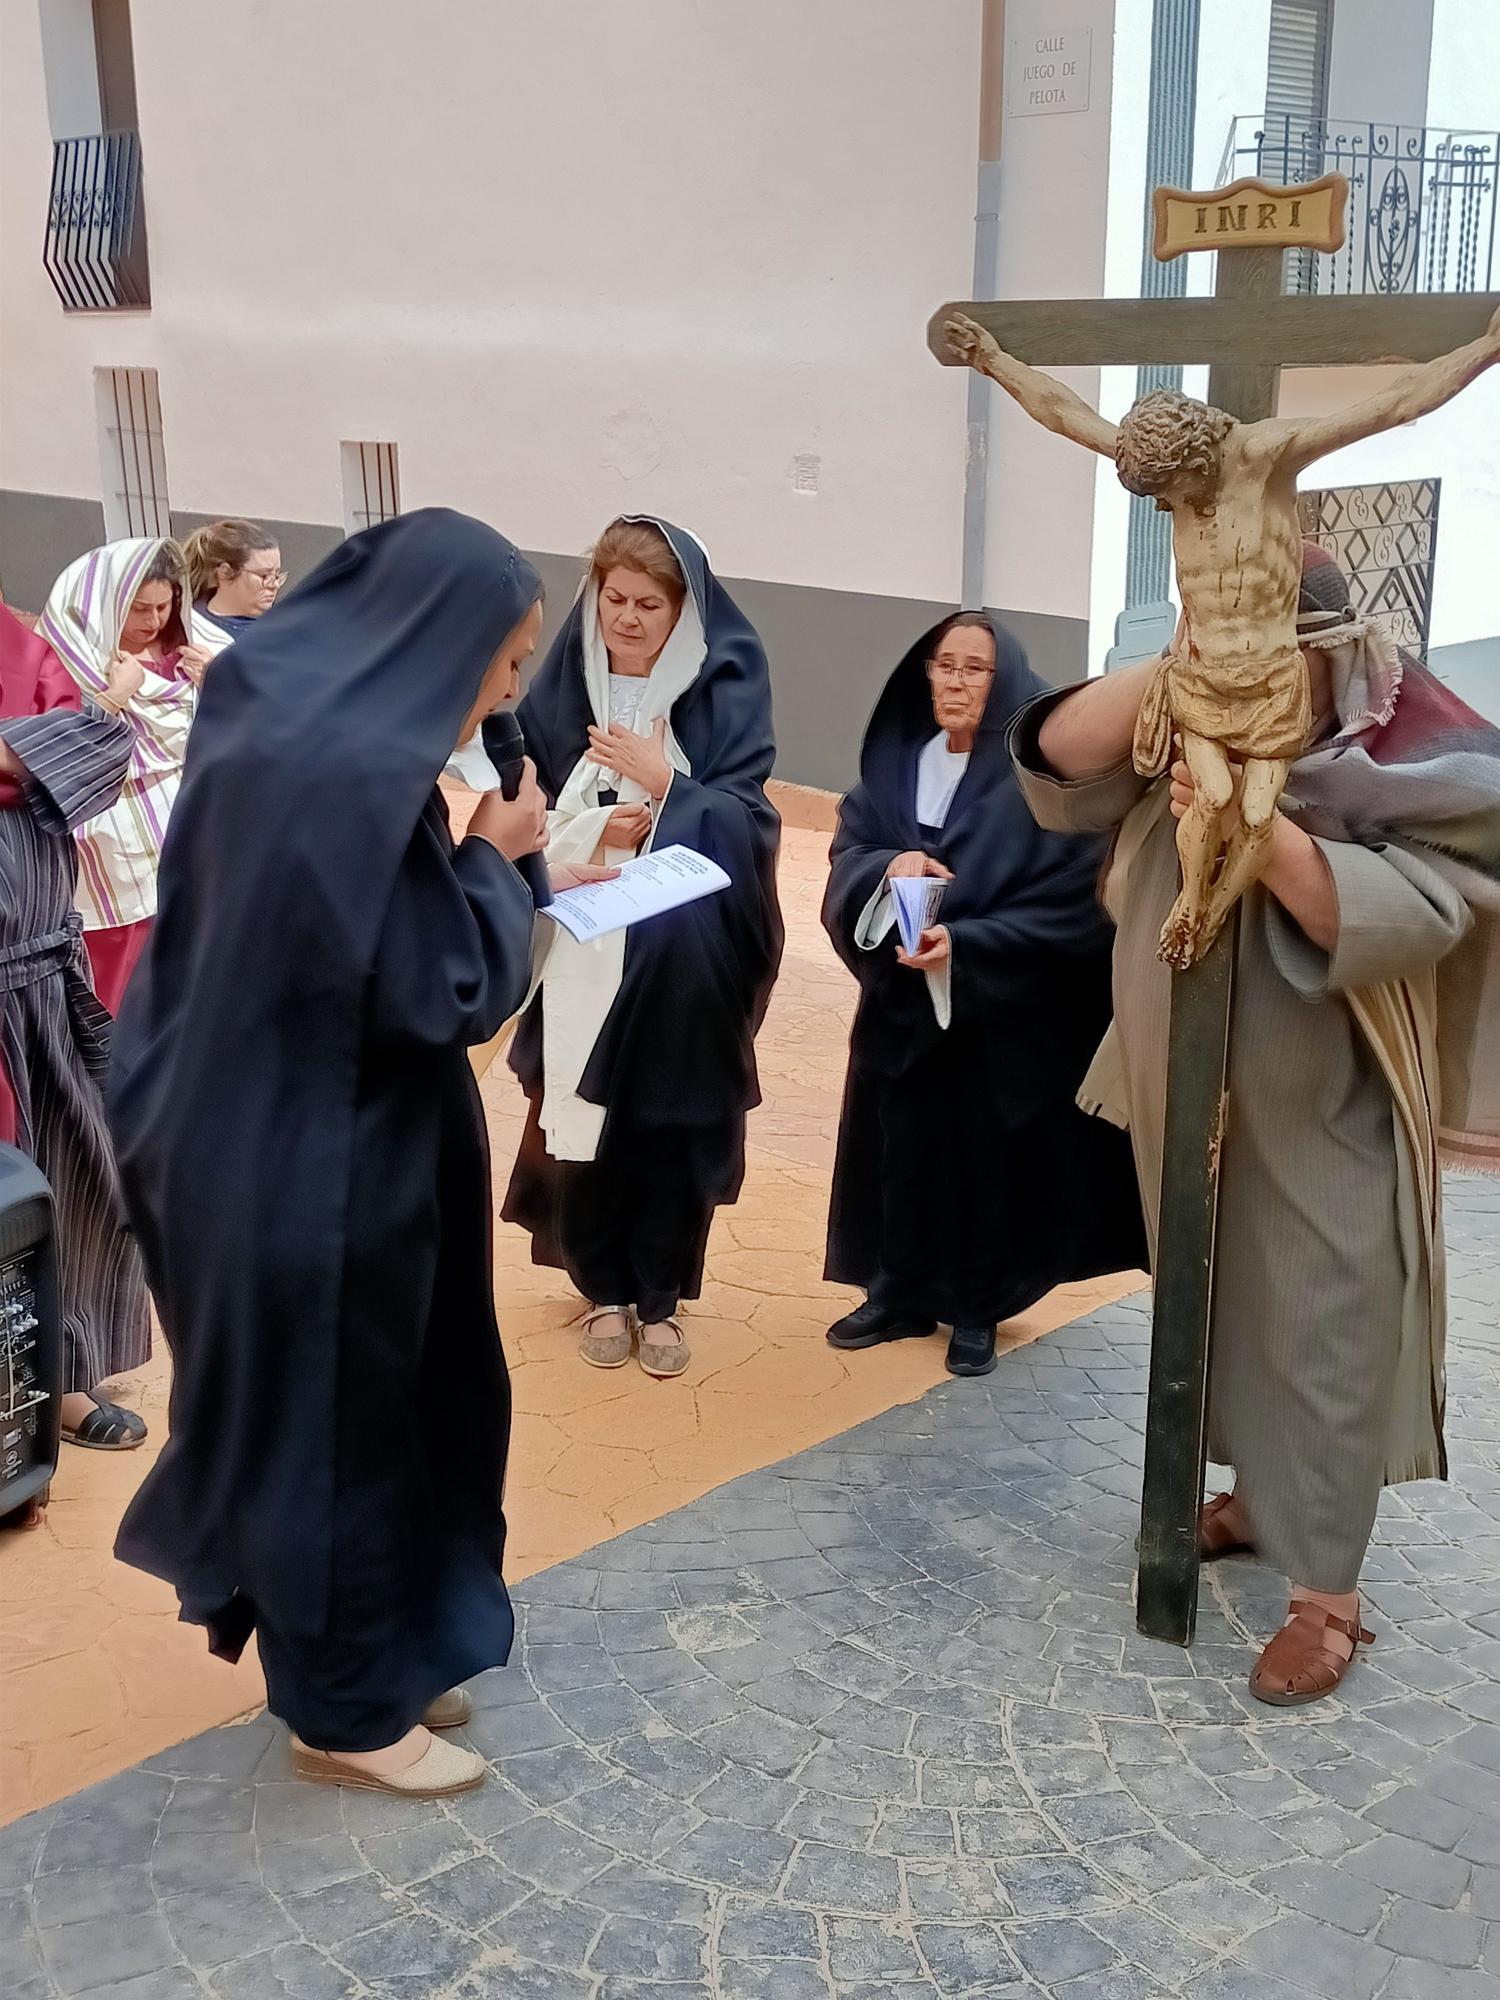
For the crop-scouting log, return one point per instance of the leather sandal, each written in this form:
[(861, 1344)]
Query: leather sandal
[(1296, 1666), (1215, 1536), (107, 1427), (664, 1358), (607, 1350)]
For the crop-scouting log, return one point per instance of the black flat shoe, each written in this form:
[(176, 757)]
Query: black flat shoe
[(971, 1351), (869, 1325)]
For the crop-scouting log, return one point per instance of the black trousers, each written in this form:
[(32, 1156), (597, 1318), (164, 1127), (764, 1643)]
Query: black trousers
[(630, 1227), (634, 1232)]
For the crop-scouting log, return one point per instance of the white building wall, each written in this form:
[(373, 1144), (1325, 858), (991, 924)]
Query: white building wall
[(1378, 61), (574, 257), (1463, 85), (1054, 201)]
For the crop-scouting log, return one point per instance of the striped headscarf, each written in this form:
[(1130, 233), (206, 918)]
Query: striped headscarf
[(119, 852), (1412, 765)]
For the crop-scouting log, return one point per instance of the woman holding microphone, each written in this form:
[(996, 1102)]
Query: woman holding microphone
[(305, 1161)]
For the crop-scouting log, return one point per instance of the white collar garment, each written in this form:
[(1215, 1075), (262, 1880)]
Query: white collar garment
[(939, 773), (627, 694), (580, 981)]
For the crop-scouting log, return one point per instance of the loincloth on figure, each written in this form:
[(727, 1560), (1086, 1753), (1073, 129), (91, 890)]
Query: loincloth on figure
[(1253, 708)]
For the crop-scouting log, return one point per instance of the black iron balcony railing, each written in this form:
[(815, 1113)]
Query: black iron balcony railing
[(1422, 201), (96, 225)]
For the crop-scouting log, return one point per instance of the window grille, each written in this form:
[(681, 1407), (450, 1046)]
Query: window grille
[(133, 459), (372, 486), (1384, 539)]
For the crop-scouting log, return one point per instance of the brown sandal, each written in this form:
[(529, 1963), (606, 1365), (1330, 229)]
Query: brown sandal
[(1215, 1537), (1296, 1666)]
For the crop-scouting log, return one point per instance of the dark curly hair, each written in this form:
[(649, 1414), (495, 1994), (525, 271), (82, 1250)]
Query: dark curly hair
[(1167, 437)]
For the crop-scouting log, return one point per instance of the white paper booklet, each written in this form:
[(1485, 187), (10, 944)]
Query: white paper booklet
[(648, 886), (916, 898)]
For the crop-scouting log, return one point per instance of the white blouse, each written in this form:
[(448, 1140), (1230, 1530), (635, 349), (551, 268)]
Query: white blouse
[(939, 774), (626, 693)]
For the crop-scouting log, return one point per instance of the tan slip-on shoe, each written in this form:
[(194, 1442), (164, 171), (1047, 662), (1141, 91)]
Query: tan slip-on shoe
[(441, 1772), (607, 1350), (664, 1358), (450, 1711)]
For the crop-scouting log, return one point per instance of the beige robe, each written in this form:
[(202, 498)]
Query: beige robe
[(1326, 1378)]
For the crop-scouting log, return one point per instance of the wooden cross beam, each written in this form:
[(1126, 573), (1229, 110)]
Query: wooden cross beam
[(1181, 333), (1246, 334)]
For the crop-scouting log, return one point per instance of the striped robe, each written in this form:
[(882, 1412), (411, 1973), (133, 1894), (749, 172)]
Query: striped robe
[(120, 849), (54, 1034)]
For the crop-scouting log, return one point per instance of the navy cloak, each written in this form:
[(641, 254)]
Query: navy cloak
[(967, 1183), (302, 1149), (674, 1063)]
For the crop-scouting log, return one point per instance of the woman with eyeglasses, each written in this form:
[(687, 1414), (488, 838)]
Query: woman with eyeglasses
[(234, 568), (967, 1182)]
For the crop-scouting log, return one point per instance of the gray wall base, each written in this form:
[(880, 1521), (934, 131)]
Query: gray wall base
[(831, 651), (40, 534)]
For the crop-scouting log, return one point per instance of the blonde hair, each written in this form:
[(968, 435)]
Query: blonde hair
[(641, 546), (229, 542)]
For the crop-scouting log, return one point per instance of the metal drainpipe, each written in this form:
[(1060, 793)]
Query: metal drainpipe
[(986, 275)]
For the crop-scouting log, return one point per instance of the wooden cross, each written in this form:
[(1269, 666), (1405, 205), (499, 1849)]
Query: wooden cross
[(1247, 332)]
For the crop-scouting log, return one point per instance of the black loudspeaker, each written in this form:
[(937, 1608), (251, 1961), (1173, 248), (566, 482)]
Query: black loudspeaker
[(31, 1343)]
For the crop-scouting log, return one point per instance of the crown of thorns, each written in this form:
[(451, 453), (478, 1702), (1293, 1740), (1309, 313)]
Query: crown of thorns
[(1165, 436)]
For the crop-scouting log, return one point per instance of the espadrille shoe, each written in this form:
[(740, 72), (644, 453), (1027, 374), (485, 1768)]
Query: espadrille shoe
[(450, 1711), (441, 1772)]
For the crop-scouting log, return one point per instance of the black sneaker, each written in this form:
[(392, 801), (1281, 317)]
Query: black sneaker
[(971, 1351), (869, 1325)]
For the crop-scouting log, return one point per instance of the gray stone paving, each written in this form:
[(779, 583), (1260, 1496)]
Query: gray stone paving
[(874, 1725)]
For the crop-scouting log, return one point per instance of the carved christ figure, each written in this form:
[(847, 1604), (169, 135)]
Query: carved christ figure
[(1232, 687)]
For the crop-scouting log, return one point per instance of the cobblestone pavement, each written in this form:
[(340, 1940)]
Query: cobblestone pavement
[(97, 1673), (873, 1725)]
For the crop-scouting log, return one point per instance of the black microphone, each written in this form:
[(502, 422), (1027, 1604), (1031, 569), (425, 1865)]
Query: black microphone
[(505, 746)]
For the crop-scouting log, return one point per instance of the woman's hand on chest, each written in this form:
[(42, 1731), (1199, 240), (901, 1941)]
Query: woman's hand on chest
[(642, 759)]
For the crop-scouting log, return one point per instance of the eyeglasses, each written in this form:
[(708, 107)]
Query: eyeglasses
[(273, 579), (954, 670)]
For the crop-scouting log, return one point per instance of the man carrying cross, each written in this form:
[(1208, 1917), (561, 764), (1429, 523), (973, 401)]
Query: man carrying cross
[(1358, 953)]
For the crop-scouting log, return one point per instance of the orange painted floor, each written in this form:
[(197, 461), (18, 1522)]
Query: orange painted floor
[(96, 1672)]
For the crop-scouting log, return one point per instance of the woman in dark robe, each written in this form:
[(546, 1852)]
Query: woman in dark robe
[(967, 1182), (650, 723), (305, 1161), (59, 766)]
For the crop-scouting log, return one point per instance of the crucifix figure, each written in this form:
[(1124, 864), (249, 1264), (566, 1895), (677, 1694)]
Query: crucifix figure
[(1232, 688)]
